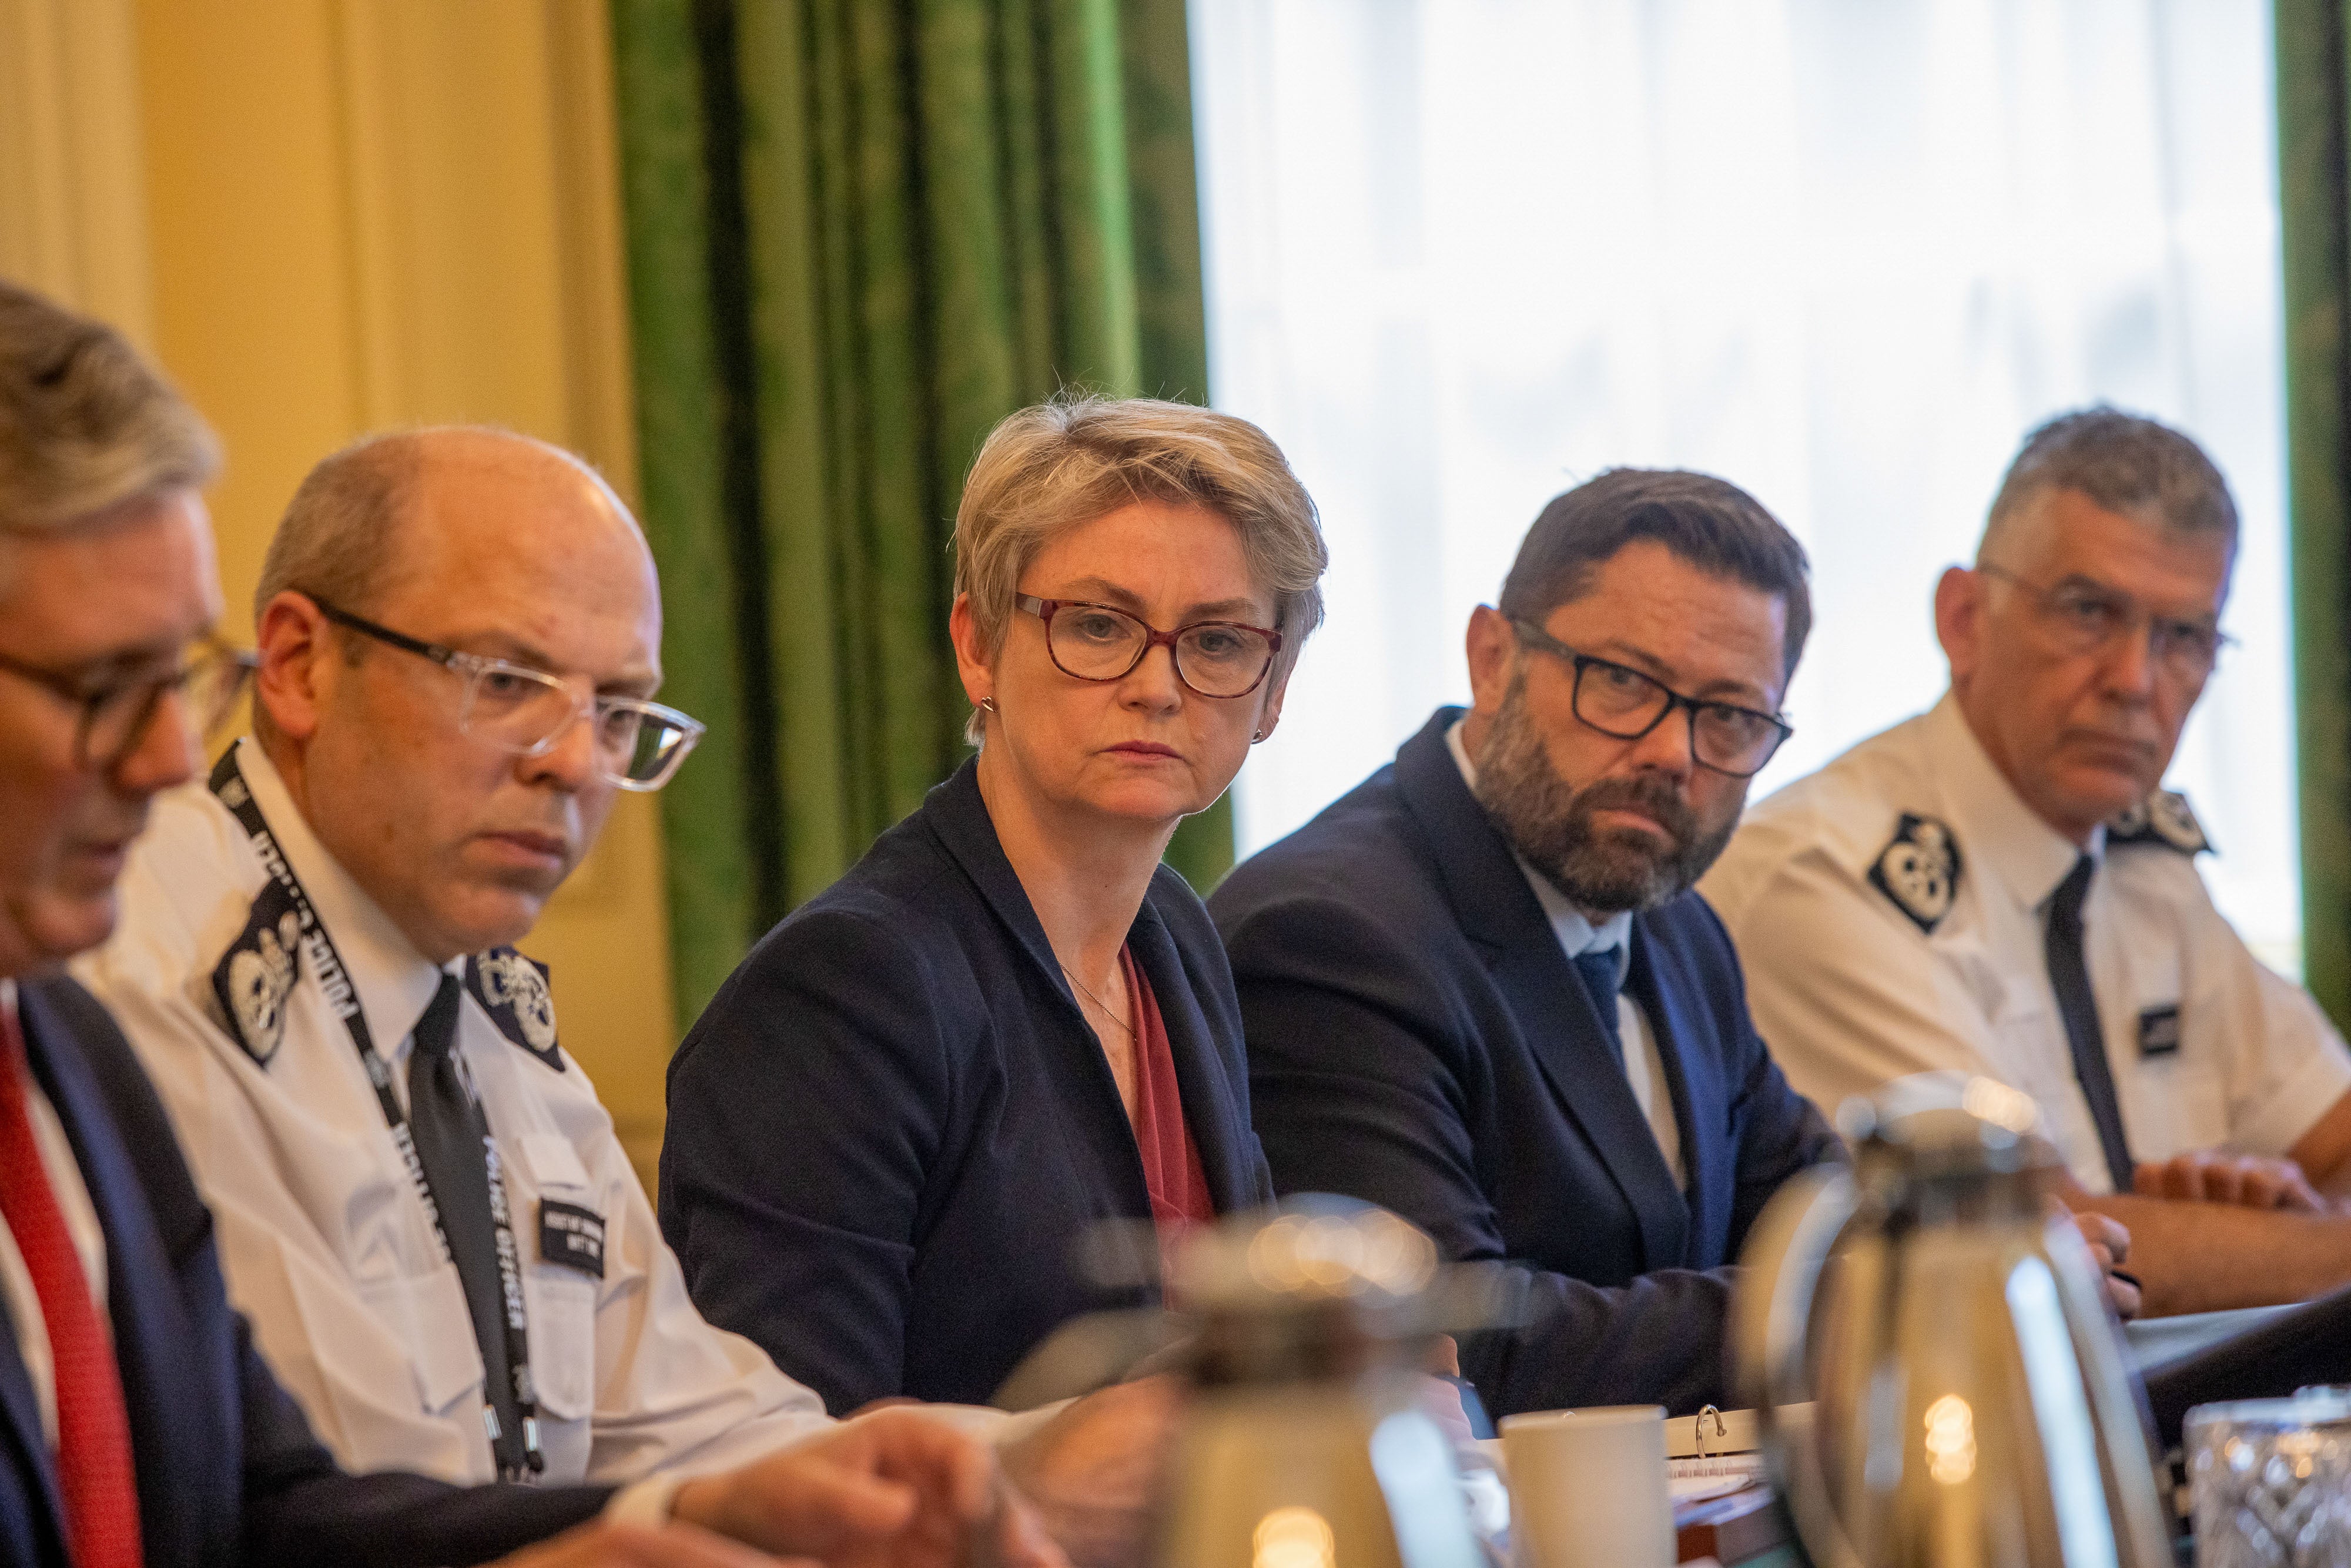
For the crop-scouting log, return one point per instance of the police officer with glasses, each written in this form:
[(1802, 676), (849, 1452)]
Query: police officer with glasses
[(459, 634), (1999, 885)]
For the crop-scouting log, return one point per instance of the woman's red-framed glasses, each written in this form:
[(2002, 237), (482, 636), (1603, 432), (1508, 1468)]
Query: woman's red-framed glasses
[(1097, 643)]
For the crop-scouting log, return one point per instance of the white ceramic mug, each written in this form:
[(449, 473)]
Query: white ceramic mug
[(1588, 1487)]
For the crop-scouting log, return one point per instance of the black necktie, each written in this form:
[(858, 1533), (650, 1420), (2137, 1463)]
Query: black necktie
[(1598, 967), (2069, 976), (450, 1133)]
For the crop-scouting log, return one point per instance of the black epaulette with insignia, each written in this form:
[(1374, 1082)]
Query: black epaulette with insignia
[(2162, 818), (1919, 871), (257, 974), (513, 991)]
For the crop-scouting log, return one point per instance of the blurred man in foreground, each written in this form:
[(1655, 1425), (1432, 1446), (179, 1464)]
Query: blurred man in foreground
[(143, 1425), (1999, 887)]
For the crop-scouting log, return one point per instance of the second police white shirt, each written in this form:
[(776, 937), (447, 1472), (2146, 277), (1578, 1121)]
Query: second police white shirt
[(1855, 981), (325, 1241)]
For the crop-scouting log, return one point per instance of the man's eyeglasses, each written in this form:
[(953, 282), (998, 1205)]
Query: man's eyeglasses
[(1626, 705), (118, 709), (2085, 617), (517, 709), (1095, 642)]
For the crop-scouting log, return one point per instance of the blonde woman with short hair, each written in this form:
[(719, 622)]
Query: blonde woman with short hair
[(1010, 1021)]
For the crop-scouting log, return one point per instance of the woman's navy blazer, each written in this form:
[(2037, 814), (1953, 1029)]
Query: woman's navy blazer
[(892, 1124)]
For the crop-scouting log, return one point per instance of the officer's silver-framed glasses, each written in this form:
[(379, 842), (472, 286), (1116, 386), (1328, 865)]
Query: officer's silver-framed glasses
[(523, 711), (2085, 616)]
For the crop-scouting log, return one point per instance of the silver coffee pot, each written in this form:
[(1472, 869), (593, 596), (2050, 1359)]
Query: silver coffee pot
[(1303, 1446), (1928, 1341)]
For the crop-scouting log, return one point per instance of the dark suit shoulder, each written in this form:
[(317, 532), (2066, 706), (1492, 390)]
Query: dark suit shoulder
[(902, 917), (227, 1468), (181, 1217), (1363, 852), (835, 991), (1349, 909), (906, 880)]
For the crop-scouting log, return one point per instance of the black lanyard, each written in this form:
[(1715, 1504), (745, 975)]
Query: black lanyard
[(228, 783)]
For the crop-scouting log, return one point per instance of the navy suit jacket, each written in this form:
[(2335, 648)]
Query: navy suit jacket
[(891, 1124), (228, 1472), (1418, 1038)]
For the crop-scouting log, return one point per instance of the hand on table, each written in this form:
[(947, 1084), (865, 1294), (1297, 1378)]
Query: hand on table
[(2109, 1244), (2215, 1176), (1093, 1472), (894, 1489)]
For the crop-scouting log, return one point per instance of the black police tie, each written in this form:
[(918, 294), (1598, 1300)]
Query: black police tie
[(1598, 967), (450, 1133), (2069, 976)]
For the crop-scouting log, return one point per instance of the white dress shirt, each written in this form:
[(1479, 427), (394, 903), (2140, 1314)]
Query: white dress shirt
[(82, 1223), (1645, 1069), (1851, 989), (326, 1244)]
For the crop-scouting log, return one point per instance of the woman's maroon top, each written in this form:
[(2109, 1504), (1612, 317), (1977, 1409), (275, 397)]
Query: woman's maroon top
[(1171, 1161)]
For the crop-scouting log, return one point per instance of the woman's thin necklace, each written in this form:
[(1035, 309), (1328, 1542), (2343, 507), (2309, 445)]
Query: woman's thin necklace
[(1087, 991)]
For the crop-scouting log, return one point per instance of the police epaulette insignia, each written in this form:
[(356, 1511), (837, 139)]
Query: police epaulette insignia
[(2163, 818), (257, 974), (513, 991), (1919, 871)]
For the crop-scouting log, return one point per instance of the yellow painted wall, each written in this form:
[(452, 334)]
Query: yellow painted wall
[(73, 213), (354, 214)]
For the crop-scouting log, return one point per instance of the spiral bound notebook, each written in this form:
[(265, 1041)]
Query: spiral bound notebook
[(1714, 1445)]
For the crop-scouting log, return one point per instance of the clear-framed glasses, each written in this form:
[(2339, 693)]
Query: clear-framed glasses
[(118, 708), (2085, 616), (517, 709), (1623, 703), (1096, 643)]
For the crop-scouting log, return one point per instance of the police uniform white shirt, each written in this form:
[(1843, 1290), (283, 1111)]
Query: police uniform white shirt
[(1890, 911), (1645, 1069), (325, 1240)]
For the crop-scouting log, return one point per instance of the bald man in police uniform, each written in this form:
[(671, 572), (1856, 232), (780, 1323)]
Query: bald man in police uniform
[(459, 634), (1998, 886)]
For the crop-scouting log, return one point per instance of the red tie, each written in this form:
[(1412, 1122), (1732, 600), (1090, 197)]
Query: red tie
[(94, 1473)]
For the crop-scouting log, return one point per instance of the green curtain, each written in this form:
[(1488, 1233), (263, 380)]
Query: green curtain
[(859, 232), (2313, 72)]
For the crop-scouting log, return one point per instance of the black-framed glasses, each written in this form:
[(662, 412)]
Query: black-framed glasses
[(2085, 616), (517, 709), (1626, 705), (1096, 643), (118, 709)]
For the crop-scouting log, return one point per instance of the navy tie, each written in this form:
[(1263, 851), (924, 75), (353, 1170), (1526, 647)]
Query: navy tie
[(449, 1131), (1598, 967), (2069, 976)]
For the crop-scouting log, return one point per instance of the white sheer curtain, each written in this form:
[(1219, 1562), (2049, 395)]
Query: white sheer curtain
[(1465, 252)]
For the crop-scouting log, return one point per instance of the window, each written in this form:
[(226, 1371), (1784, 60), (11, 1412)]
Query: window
[(1463, 253)]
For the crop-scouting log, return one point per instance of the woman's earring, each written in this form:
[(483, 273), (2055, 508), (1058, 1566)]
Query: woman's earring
[(988, 703), (1256, 737)]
